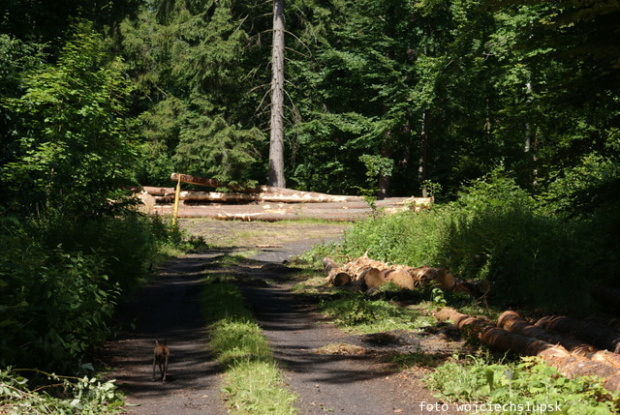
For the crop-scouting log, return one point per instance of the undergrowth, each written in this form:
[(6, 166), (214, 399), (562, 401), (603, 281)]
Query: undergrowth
[(58, 395), (497, 232), (371, 314), (526, 386)]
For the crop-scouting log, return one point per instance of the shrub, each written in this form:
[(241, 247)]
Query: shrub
[(496, 231), (60, 282)]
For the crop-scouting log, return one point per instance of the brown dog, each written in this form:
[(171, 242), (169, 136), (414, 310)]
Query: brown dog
[(160, 357)]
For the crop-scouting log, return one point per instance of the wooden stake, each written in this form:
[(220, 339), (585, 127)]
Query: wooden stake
[(177, 194)]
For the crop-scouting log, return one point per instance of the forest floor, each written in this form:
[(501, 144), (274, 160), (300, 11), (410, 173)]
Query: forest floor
[(354, 376)]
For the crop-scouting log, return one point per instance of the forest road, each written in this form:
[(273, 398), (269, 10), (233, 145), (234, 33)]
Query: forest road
[(168, 307)]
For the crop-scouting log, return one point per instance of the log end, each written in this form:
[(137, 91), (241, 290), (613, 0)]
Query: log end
[(400, 278)]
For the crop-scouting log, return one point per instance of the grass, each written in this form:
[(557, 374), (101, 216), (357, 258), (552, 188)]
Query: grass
[(360, 313), (247, 234), (252, 381), (517, 386)]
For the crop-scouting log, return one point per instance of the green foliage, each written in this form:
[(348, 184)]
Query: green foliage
[(255, 387), (515, 387), (496, 231), (238, 341), (67, 395), (223, 301), (55, 303), (192, 67), (410, 238), (60, 282), (75, 140)]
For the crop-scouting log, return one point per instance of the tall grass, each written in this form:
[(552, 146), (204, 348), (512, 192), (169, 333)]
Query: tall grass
[(495, 231)]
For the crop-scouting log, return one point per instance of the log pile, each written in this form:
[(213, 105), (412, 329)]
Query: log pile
[(366, 273), (572, 357), (265, 203)]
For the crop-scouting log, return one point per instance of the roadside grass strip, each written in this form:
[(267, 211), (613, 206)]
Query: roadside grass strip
[(252, 381)]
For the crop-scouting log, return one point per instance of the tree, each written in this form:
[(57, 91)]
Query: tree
[(194, 67), (276, 142), (76, 144)]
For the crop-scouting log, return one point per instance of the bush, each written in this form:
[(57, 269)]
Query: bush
[(496, 231), (60, 282)]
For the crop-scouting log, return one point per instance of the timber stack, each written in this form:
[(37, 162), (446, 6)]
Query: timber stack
[(265, 203), (365, 273)]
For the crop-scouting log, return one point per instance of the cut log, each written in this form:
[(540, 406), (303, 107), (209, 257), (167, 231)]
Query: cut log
[(557, 356), (199, 181), (158, 191), (401, 275), (373, 278), (147, 201), (590, 332), (514, 323)]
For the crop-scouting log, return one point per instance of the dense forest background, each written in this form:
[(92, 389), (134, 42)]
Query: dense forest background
[(497, 106), (406, 93)]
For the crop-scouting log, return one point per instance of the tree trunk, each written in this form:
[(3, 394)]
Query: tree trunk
[(512, 322), (276, 143), (424, 152)]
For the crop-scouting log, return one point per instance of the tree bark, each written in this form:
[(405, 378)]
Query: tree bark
[(590, 332), (276, 142)]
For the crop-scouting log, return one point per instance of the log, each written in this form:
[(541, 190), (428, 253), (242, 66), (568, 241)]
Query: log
[(399, 277), (262, 193), (373, 278), (199, 181), (557, 356), (267, 214), (590, 332), (511, 321), (377, 272), (475, 288), (158, 191), (425, 274)]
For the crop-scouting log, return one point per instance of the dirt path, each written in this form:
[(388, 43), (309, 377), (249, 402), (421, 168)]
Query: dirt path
[(169, 308)]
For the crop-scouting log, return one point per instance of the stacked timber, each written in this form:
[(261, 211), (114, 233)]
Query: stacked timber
[(571, 356), (367, 273), (265, 203)]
